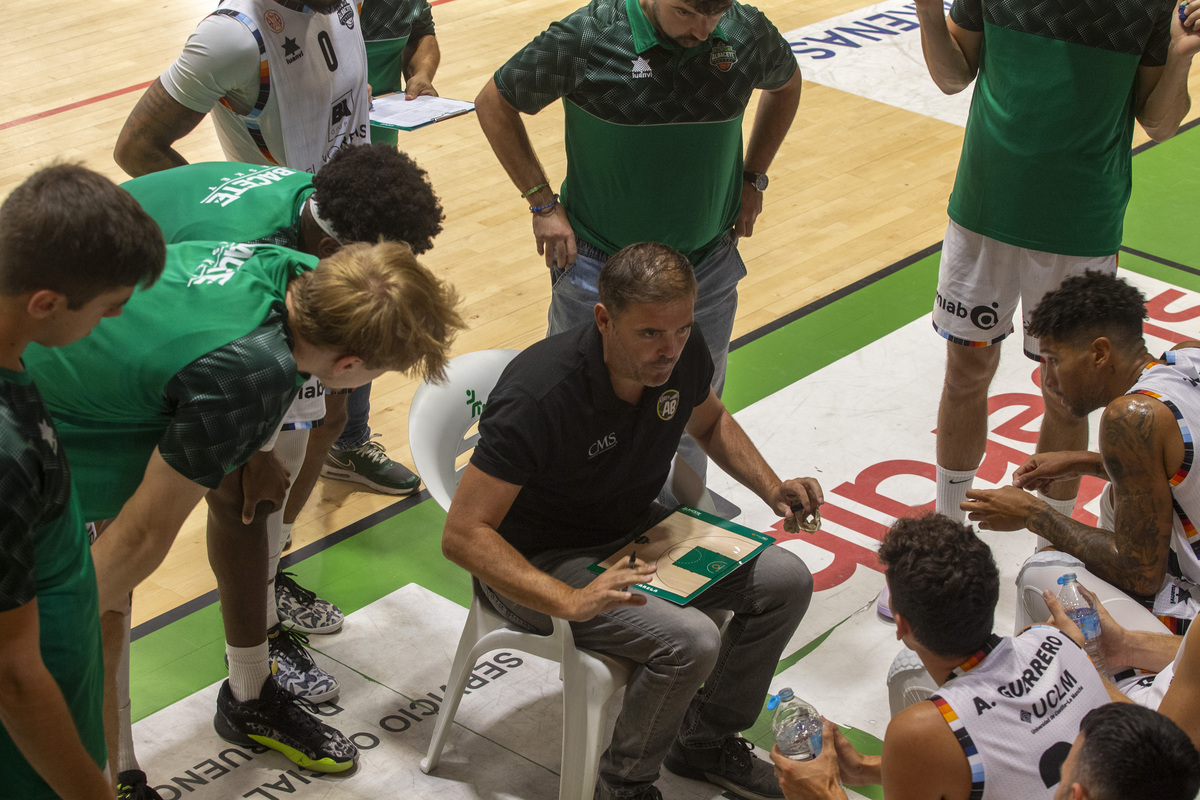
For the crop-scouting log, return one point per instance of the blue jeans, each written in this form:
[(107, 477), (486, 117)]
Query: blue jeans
[(574, 297), (357, 430), (678, 650)]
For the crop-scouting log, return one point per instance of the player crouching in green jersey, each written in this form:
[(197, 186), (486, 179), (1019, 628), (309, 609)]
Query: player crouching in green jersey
[(72, 248), (175, 401)]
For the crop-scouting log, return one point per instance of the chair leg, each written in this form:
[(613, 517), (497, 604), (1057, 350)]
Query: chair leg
[(460, 673), (587, 686)]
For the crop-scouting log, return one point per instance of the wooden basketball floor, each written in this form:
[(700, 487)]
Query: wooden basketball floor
[(859, 187)]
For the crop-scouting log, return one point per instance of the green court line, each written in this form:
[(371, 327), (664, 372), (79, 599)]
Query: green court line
[(1165, 191)]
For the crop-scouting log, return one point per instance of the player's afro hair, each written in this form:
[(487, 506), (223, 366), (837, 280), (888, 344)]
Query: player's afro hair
[(376, 192), (1088, 306)]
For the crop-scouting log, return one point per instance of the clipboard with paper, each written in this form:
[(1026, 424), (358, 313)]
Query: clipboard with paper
[(393, 111), (692, 549)]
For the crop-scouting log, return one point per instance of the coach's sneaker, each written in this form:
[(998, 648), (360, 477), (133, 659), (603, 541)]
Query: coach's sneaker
[(732, 766), (276, 720), (368, 464), (132, 785), (301, 609), (294, 669)]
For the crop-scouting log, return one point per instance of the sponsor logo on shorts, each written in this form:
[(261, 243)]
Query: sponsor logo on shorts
[(982, 317), (274, 21), (668, 404), (722, 57)]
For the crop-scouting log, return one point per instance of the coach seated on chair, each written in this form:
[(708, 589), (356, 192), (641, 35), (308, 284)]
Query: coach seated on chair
[(576, 442), (1090, 334)]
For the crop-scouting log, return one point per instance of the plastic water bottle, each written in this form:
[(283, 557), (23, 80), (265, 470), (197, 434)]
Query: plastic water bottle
[(1085, 616), (797, 726)]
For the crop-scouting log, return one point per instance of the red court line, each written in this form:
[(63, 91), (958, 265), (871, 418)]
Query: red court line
[(70, 106), (98, 98)]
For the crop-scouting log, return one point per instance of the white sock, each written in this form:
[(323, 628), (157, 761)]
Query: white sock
[(126, 757), (952, 486), (289, 448), (1064, 507), (249, 668)]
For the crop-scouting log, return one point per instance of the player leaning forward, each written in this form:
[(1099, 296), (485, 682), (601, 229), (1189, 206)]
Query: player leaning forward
[(538, 504), (148, 435)]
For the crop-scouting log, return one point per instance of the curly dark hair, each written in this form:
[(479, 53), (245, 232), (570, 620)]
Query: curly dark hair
[(943, 580), (1129, 751), (1088, 306), (73, 231), (376, 192)]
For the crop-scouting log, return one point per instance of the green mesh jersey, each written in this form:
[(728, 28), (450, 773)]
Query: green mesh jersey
[(225, 201), (199, 365), (388, 26), (44, 555), (1046, 161), (653, 131)]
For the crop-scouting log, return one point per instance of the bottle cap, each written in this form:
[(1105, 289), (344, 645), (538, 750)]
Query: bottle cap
[(1070, 576), (784, 694)]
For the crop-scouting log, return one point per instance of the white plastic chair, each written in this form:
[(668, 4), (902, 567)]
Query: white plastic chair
[(438, 422)]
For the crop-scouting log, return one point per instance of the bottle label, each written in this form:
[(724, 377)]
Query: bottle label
[(1087, 620)]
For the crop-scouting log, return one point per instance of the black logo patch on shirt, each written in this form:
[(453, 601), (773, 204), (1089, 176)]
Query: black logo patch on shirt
[(668, 404), (345, 14), (722, 57), (291, 51)]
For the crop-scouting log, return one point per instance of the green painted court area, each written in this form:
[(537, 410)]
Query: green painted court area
[(176, 659)]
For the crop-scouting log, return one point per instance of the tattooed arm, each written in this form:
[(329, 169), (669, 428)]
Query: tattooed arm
[(1136, 434), (155, 124)]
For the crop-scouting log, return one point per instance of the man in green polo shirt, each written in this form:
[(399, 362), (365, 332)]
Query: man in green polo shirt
[(72, 248), (654, 93)]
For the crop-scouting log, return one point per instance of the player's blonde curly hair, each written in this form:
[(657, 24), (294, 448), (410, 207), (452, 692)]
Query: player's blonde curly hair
[(379, 303)]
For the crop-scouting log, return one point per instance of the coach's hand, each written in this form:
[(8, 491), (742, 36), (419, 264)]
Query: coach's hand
[(609, 590), (1005, 509), (797, 492), (264, 480), (555, 239)]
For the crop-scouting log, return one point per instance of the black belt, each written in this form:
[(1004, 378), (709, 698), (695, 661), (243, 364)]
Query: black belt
[(589, 250)]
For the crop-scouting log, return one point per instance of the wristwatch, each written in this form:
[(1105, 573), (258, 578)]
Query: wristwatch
[(756, 179)]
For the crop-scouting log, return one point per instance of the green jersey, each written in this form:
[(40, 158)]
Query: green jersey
[(388, 26), (653, 130), (44, 555), (224, 201), (199, 366), (1046, 160)]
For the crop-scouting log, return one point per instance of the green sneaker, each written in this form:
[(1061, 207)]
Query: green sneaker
[(368, 464)]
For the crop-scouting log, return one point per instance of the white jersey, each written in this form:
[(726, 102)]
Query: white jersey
[(1015, 707), (285, 85), (1148, 690), (1174, 383)]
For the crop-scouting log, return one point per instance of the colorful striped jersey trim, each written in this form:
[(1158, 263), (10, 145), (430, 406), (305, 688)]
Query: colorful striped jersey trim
[(264, 85), (969, 342), (974, 759)]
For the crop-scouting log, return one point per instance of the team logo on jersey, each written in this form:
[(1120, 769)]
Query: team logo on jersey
[(47, 432), (274, 21), (291, 50), (668, 404), (602, 445), (339, 114), (345, 14), (722, 57), (641, 68)]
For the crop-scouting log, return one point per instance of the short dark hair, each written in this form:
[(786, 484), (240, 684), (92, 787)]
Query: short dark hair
[(647, 272), (73, 231), (1088, 306), (1131, 752), (374, 192), (710, 6), (943, 580)]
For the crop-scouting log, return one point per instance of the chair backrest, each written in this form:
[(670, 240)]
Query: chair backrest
[(442, 414)]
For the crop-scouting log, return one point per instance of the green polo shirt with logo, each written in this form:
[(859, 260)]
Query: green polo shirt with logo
[(199, 365), (225, 201), (653, 130), (1046, 161)]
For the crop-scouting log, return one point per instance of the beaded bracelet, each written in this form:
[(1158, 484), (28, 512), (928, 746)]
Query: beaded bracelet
[(545, 208), (537, 188)]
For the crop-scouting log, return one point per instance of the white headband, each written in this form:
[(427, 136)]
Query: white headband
[(322, 223)]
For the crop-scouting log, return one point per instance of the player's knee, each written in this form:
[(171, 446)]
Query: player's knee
[(969, 371)]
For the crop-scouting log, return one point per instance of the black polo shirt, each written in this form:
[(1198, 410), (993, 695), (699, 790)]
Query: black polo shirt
[(588, 463)]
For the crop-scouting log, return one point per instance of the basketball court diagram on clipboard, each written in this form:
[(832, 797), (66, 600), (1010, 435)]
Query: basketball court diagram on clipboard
[(692, 550)]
